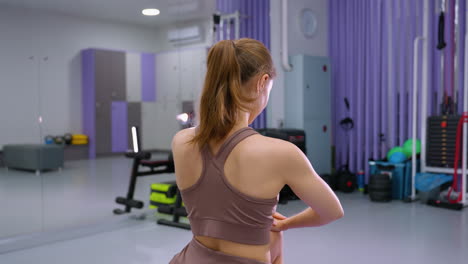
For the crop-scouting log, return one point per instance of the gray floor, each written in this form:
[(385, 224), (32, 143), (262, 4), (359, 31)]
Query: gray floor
[(370, 232), (83, 193)]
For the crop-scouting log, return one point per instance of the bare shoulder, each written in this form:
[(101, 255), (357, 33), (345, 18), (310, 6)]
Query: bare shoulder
[(181, 138), (272, 149)]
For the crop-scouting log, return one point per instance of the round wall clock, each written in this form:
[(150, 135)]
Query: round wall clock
[(308, 23)]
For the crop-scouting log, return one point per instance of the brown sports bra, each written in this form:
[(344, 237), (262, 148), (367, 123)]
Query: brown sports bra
[(217, 209)]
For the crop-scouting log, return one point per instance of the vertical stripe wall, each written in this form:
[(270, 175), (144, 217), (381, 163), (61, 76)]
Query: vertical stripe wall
[(371, 46), (254, 23)]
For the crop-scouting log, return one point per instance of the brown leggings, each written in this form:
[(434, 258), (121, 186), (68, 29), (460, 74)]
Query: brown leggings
[(196, 253)]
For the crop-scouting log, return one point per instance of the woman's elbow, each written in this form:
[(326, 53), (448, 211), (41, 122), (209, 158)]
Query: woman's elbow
[(339, 214), (333, 217)]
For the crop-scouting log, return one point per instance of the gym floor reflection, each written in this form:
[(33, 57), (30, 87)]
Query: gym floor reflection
[(390, 233), (81, 194)]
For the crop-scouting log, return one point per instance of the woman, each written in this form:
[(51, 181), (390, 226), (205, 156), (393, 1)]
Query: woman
[(230, 176)]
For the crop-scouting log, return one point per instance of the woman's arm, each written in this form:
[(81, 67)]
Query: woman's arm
[(297, 172)]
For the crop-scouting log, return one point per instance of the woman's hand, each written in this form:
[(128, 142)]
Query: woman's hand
[(279, 223)]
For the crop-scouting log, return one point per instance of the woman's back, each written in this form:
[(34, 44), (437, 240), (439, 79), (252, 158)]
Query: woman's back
[(249, 169)]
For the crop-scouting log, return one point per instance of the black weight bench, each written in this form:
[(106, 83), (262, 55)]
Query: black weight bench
[(144, 166)]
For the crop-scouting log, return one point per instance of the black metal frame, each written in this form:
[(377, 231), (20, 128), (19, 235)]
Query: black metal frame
[(142, 160)]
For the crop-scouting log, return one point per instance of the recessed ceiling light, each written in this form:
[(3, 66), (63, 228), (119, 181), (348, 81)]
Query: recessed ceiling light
[(150, 12)]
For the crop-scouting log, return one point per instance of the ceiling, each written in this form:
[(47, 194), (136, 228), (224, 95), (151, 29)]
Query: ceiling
[(126, 11)]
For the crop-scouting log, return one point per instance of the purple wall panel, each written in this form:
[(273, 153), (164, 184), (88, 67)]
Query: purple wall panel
[(119, 127), (384, 80), (340, 151), (374, 75), (370, 88), (256, 25), (343, 86), (257, 16), (461, 52), (88, 90), (430, 46), (401, 70), (344, 155), (367, 83), (356, 109), (246, 7), (377, 84), (449, 50), (394, 76), (435, 57), (362, 45), (402, 82), (438, 78), (342, 92), (409, 59), (148, 81), (249, 12), (360, 83), (220, 5), (420, 62), (334, 44), (331, 45), (350, 79)]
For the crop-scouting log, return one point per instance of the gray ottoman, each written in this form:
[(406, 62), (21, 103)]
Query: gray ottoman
[(33, 157)]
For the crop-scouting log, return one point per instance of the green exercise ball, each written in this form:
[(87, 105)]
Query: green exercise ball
[(394, 150), (408, 147)]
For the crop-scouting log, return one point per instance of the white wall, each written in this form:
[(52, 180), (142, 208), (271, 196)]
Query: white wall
[(179, 77), (26, 33), (298, 44), (207, 36), (180, 72)]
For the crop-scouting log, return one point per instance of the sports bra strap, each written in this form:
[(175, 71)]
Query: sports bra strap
[(232, 142)]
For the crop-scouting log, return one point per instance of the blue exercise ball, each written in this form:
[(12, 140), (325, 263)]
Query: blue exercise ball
[(397, 157)]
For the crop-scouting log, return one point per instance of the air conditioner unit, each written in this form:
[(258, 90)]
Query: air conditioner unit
[(186, 35)]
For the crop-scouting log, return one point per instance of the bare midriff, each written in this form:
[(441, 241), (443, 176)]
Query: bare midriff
[(255, 252)]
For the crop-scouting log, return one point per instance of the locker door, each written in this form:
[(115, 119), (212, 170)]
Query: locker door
[(103, 127), (159, 125), (103, 75), (133, 77), (149, 127), (168, 74), (318, 144), (317, 94), (294, 94), (110, 76), (118, 76), (134, 119), (119, 127)]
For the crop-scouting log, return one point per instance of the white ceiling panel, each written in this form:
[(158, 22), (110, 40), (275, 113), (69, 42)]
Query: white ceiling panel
[(126, 11)]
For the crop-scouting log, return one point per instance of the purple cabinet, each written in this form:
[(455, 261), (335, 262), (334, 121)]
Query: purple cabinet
[(119, 127)]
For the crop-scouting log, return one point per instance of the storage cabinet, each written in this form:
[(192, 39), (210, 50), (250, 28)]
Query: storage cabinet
[(124, 89), (112, 92), (308, 106)]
